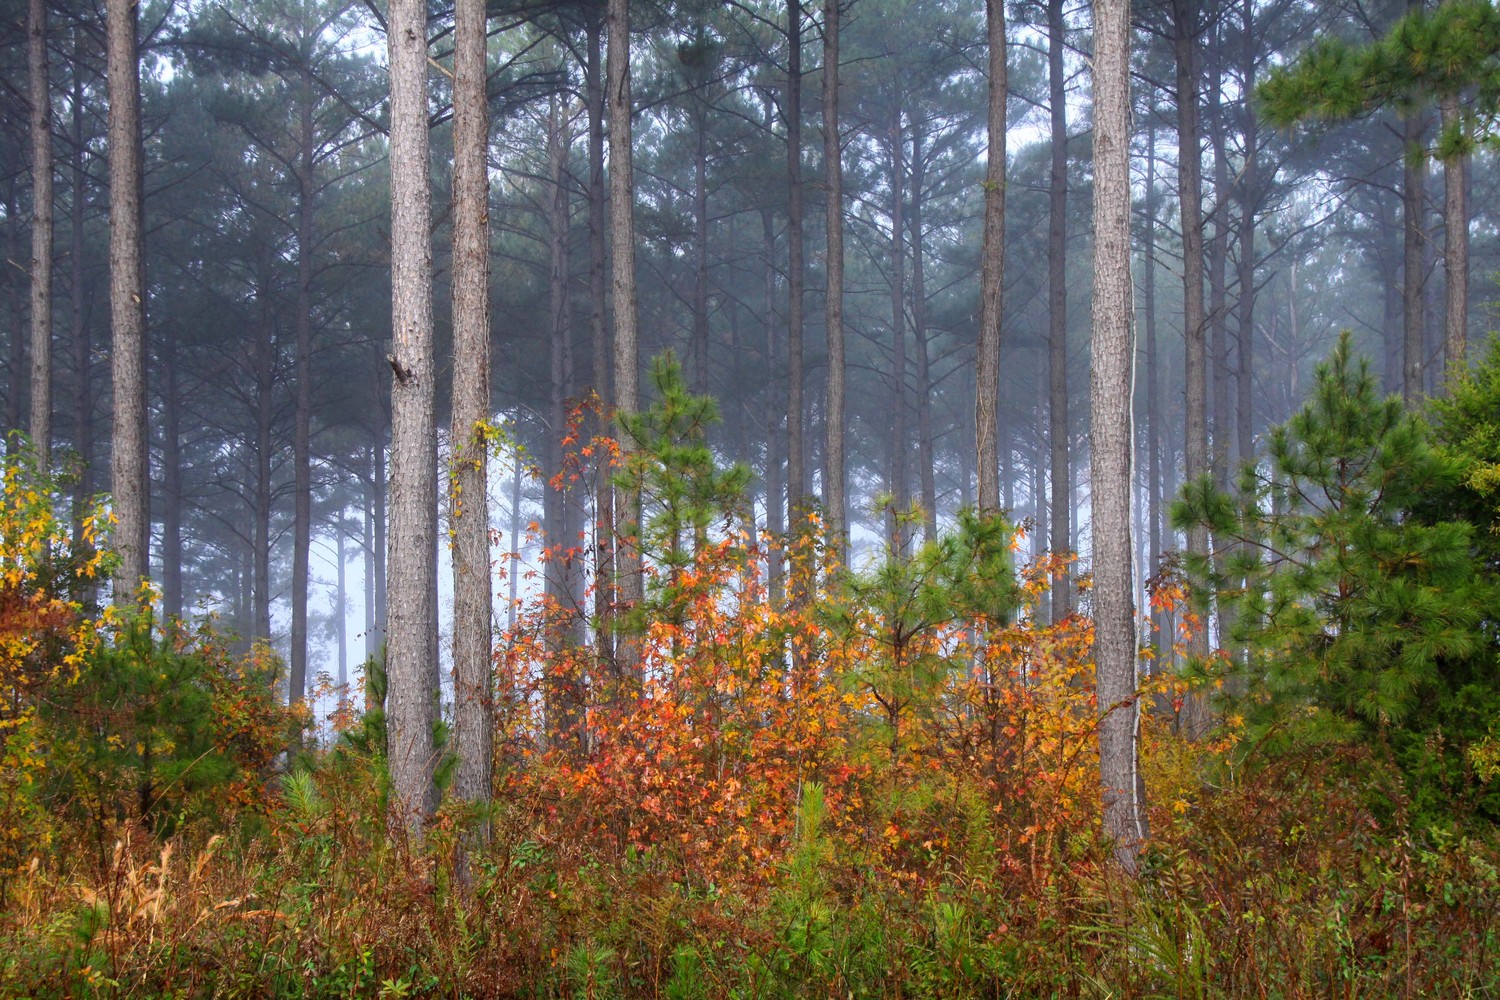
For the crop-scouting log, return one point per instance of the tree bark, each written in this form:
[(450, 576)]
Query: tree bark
[(1455, 249), (833, 163), (367, 525), (15, 403), (1155, 499), (1057, 309), (1109, 436), (341, 606), (563, 703), (265, 413), (775, 496), (629, 585), (1190, 193), (78, 314), (991, 269), (171, 480), (700, 242), (926, 459), (129, 467), (604, 517), (1218, 272), (411, 667), (302, 418), (1249, 202), (900, 484), (41, 231), (468, 490), (796, 463), (1413, 211)]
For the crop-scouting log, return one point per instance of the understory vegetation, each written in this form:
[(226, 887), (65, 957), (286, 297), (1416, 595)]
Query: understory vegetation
[(882, 783)]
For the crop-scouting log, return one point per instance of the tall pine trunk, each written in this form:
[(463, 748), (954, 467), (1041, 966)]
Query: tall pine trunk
[(1455, 248), (629, 585), (469, 520), (1109, 436), (1249, 202), (1190, 194), (604, 517), (129, 466), (1414, 239), (302, 377), (41, 231), (925, 450), (171, 479), (411, 661), (80, 301), (798, 501), (775, 496), (834, 494), (991, 269), (1057, 307)]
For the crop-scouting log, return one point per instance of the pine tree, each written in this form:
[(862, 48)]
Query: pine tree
[(1364, 620)]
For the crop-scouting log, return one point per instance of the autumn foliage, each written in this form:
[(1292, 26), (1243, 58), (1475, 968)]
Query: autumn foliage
[(886, 788)]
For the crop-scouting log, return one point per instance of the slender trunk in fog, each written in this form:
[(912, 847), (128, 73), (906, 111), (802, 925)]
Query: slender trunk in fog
[(925, 448), (604, 517), (627, 352), (1455, 249), (833, 163), (40, 98), (1190, 193), (992, 269), (171, 485), (129, 468), (775, 511), (1109, 402), (411, 667), (1057, 307), (468, 489)]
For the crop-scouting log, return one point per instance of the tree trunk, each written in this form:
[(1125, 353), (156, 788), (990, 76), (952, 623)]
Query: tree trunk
[(627, 352), (1413, 211), (1249, 202), (925, 451), (1190, 192), (171, 476), (1057, 309), (775, 511), (265, 413), (1155, 499), (41, 231), (604, 517), (15, 403), (900, 485), (78, 314), (796, 461), (468, 490), (302, 429), (1109, 438), (129, 466), (563, 704), (1218, 271), (411, 667), (1455, 249), (700, 243), (833, 163), (991, 269), (367, 525), (382, 529), (340, 614)]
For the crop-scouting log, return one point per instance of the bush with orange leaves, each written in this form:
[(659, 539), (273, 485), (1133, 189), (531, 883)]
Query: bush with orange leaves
[(924, 694)]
